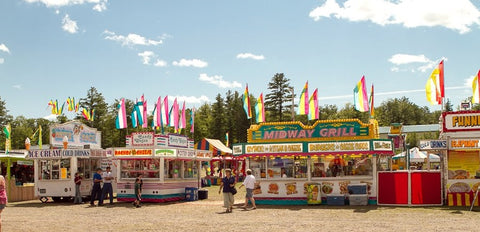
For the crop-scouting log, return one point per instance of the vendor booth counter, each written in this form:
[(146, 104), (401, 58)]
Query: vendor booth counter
[(410, 188), (296, 164)]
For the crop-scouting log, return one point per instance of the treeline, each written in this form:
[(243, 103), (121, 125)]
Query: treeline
[(224, 115)]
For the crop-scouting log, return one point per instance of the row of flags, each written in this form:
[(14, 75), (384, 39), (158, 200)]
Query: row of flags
[(163, 116), (435, 87), (361, 102), (72, 106), (307, 106)]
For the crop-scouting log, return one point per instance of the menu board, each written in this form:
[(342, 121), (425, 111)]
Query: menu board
[(463, 164)]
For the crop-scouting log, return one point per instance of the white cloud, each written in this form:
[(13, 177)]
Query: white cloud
[(406, 59), (62, 3), (412, 63), (218, 81), (190, 99), (147, 56), (4, 48), (193, 63), (459, 15), (131, 39), (250, 56), (160, 63), (101, 6), (51, 117), (17, 86), (69, 25)]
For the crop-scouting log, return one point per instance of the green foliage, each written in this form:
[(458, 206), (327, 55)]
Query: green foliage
[(401, 110), (277, 101)]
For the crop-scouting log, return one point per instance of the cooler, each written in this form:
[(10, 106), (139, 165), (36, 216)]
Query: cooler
[(335, 200), (202, 194), (191, 194)]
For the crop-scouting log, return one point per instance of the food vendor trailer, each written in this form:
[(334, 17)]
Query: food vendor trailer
[(55, 170), (168, 164), (331, 162), (74, 147), (460, 140)]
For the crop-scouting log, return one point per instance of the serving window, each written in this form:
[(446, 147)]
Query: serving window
[(341, 165), (54, 169), (87, 167), (280, 167), (180, 169), (148, 167)]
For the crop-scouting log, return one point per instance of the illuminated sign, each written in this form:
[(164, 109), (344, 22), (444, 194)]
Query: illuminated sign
[(461, 121), (274, 148), (321, 130), (464, 144), (132, 152), (339, 146)]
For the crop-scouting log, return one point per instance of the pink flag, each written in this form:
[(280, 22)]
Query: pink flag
[(145, 117), (183, 120), (157, 118), (164, 112)]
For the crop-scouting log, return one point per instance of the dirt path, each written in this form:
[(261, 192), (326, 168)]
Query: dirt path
[(207, 215)]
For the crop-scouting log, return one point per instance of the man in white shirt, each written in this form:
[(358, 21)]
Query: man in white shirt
[(107, 186), (249, 184)]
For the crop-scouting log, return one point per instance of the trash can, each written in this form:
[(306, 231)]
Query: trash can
[(191, 194), (202, 194), (313, 194)]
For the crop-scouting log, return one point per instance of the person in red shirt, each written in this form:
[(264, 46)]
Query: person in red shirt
[(78, 195)]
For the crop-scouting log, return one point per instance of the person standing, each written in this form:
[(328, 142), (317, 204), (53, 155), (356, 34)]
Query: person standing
[(3, 198), (96, 189), (249, 184), (78, 195), (228, 183), (107, 186), (138, 191)]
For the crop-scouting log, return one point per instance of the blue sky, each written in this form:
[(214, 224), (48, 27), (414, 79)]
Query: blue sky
[(192, 50)]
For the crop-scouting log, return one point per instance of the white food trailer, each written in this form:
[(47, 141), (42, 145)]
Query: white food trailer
[(55, 167), (168, 164)]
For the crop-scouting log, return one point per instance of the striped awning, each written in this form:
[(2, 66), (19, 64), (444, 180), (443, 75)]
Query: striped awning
[(214, 145)]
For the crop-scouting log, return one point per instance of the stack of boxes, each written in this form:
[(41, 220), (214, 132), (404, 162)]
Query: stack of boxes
[(357, 194)]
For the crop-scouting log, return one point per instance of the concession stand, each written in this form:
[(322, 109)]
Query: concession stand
[(74, 147), (168, 164), (332, 162), (461, 133), (222, 159)]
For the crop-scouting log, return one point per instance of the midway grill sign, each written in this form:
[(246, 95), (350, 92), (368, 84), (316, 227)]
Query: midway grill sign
[(321, 130)]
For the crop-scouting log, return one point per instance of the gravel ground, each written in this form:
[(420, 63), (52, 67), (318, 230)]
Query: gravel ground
[(208, 215)]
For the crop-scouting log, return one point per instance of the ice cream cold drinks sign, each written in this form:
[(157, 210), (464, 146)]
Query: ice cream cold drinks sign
[(321, 130)]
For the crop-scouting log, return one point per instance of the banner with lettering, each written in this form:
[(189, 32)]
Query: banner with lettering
[(78, 135), (461, 121), (327, 130)]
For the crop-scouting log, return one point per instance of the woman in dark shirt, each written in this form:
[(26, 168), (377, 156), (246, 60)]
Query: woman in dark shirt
[(228, 183)]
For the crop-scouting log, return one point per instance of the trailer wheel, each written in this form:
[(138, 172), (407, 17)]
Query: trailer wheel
[(44, 199)]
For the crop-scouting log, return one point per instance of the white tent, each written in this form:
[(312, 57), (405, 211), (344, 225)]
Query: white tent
[(418, 156)]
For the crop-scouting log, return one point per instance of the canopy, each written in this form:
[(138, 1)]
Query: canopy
[(214, 145), (418, 156)]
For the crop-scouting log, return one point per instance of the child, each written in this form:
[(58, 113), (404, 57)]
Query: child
[(138, 192)]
